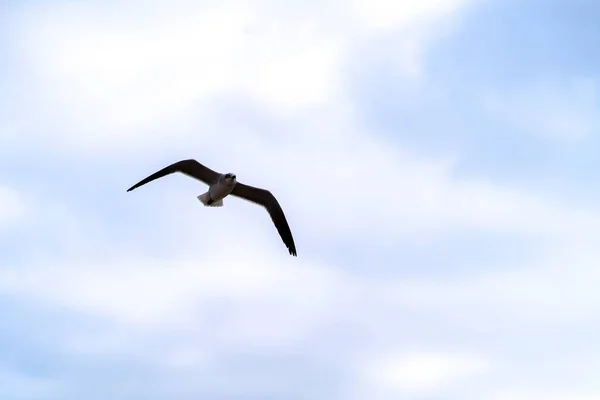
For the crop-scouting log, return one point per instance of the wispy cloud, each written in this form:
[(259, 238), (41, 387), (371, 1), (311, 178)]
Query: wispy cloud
[(419, 374)]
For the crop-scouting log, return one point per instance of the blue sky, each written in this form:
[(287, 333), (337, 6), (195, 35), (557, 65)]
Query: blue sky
[(436, 161)]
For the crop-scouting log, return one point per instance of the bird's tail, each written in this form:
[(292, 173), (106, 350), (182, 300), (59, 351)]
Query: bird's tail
[(208, 202)]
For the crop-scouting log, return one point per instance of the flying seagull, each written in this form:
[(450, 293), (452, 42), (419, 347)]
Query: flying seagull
[(222, 185)]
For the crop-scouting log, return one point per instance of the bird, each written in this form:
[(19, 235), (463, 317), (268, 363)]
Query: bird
[(220, 186)]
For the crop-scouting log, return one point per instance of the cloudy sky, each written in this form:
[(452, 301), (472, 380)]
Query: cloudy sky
[(436, 161)]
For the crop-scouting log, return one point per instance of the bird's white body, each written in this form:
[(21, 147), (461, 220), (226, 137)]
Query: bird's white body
[(218, 191)]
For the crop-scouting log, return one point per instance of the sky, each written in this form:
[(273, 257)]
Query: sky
[(436, 161)]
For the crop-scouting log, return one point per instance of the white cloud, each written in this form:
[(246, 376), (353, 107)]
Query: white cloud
[(422, 373), (271, 299), (100, 79), (390, 14), (566, 110), (12, 206), (555, 287), (544, 394)]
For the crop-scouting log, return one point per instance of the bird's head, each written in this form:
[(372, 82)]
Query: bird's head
[(229, 177)]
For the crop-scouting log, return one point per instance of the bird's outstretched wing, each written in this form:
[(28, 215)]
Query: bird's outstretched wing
[(190, 167), (266, 199)]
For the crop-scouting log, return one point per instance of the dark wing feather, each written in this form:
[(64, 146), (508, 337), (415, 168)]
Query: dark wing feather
[(266, 199), (190, 167)]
